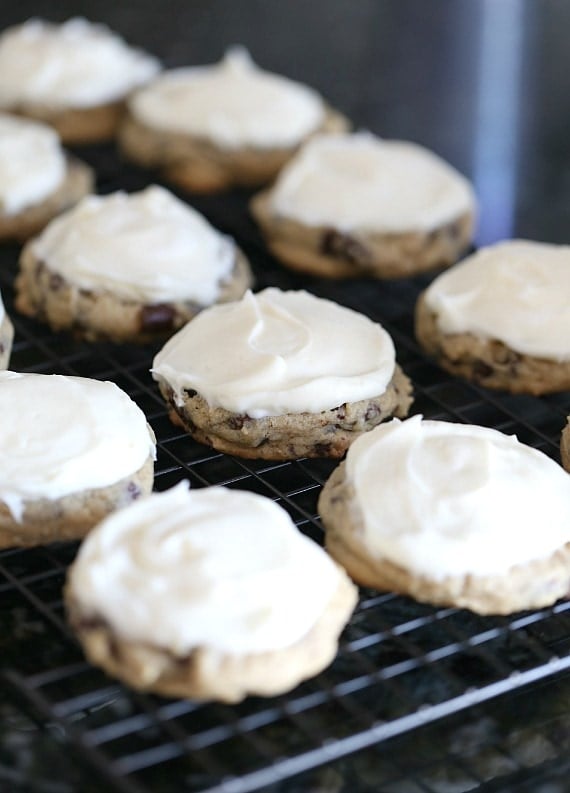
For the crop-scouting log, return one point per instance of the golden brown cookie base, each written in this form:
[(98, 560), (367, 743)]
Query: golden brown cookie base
[(210, 674), (77, 183), (72, 516), (293, 435), (198, 165), (6, 338), (43, 294), (326, 252), (565, 446), (77, 126), (488, 362), (530, 586)]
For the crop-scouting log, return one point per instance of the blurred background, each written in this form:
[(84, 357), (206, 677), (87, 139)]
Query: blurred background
[(485, 83)]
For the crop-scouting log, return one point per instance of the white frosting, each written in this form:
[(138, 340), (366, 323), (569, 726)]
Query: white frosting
[(60, 435), (517, 292), (278, 352), (2, 309), (220, 568), (443, 499), (32, 163), (76, 64), (233, 103), (358, 181), (147, 246)]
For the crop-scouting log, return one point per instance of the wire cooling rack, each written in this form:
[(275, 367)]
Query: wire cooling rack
[(418, 698)]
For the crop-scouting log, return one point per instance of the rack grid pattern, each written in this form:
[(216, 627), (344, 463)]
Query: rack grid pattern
[(404, 670)]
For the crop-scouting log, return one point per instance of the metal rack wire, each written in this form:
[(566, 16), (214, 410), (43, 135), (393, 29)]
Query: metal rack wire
[(407, 675)]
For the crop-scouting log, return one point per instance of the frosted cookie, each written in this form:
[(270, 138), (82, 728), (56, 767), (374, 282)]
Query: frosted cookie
[(349, 205), (209, 128), (501, 318), (300, 376), (72, 450), (128, 268), (74, 76), (451, 514), (208, 594), (6, 336), (37, 179)]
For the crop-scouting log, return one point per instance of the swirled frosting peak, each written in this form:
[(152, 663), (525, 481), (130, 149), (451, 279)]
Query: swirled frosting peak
[(147, 246), (32, 163), (443, 499), (278, 352), (61, 435), (358, 181), (76, 64), (233, 103), (220, 568), (517, 292)]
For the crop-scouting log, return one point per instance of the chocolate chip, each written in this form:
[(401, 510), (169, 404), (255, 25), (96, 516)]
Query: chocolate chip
[(236, 422), (133, 490), (55, 282), (341, 412), (481, 370), (505, 356), (190, 393), (342, 246), (372, 412), (157, 317), (322, 449)]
